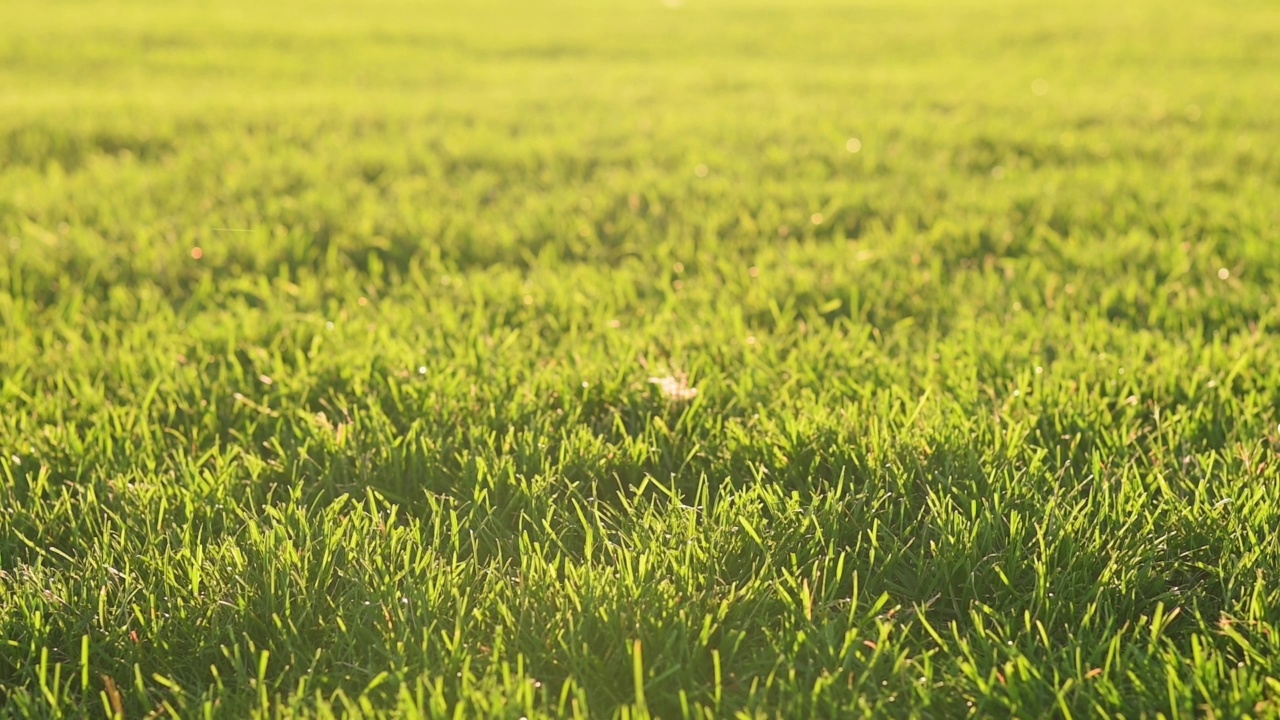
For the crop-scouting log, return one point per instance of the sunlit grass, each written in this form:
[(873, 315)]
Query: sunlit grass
[(688, 359)]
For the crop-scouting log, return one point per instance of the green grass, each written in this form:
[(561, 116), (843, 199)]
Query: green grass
[(987, 411)]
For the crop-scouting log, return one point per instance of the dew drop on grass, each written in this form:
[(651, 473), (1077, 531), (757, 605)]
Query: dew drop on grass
[(422, 369), (701, 170), (816, 218), (1223, 274), (853, 145)]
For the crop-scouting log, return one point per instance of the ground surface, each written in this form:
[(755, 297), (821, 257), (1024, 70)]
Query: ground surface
[(328, 330)]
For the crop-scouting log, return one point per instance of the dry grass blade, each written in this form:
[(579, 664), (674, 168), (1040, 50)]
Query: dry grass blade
[(675, 387)]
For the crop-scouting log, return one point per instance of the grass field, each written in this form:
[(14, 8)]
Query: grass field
[(759, 358)]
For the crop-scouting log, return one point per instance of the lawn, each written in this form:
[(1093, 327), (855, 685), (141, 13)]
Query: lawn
[(628, 358)]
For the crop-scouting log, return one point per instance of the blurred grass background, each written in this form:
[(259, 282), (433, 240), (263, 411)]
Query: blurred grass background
[(327, 331)]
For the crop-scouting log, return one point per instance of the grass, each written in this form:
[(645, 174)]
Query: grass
[(350, 356)]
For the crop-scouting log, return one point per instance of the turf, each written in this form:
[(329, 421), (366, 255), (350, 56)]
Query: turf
[(756, 359)]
